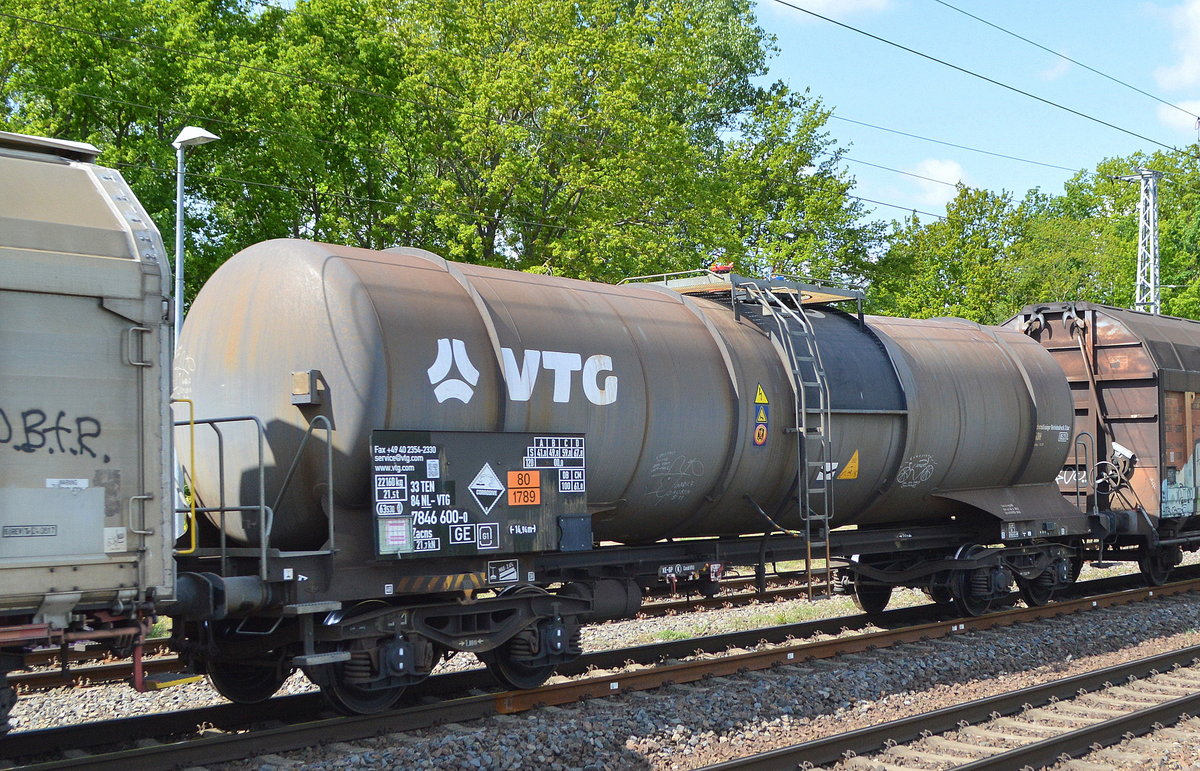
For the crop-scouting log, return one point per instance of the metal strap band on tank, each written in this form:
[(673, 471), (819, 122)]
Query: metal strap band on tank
[(907, 382), (1029, 389), (484, 315), (734, 456), (690, 304)]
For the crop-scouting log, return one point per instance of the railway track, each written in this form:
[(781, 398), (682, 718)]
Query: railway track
[(50, 674), (229, 736), (159, 659), (1029, 728)]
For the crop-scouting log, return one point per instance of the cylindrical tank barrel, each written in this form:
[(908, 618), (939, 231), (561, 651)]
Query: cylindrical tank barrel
[(669, 390)]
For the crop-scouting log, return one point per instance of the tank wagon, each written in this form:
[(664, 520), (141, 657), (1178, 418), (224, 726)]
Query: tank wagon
[(1133, 465), (438, 457), (85, 536)]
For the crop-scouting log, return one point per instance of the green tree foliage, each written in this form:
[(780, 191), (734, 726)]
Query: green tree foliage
[(789, 199), (951, 267), (991, 255), (597, 139), (1107, 199)]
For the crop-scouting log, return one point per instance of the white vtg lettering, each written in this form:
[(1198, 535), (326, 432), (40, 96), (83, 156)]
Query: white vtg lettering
[(522, 377)]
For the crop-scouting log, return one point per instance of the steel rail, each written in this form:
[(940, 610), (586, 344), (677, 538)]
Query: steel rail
[(119, 671), (122, 670), (51, 657), (876, 738), (217, 749), (1084, 740)]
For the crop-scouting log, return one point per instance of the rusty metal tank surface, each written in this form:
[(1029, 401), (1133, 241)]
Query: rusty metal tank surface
[(669, 390), (988, 422)]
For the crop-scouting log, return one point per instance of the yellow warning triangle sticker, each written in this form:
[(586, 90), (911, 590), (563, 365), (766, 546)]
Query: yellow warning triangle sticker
[(851, 469), (762, 415), (760, 396)]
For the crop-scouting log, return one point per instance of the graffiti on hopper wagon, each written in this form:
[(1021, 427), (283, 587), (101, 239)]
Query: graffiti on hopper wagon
[(38, 430)]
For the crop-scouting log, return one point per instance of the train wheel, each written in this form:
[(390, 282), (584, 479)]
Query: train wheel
[(243, 683), (1156, 564), (506, 665), (938, 589), (871, 598), (347, 697), (515, 674), (1038, 590), (967, 600)]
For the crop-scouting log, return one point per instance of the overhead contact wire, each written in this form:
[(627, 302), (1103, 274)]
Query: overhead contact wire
[(980, 76), (1067, 58)]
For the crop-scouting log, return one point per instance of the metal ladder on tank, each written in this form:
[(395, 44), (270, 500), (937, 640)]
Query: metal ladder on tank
[(812, 426)]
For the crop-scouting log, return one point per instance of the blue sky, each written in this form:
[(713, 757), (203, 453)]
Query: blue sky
[(1154, 46)]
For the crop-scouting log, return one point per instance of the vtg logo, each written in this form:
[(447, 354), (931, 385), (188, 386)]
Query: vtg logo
[(522, 377)]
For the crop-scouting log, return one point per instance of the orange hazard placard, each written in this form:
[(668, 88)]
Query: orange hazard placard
[(524, 488)]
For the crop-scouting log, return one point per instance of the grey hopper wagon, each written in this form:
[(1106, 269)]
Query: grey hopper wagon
[(85, 529)]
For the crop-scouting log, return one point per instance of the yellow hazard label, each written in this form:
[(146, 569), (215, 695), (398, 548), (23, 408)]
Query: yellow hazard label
[(851, 469), (761, 415), (760, 396)]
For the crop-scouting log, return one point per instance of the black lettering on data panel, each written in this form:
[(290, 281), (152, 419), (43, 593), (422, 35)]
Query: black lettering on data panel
[(468, 493)]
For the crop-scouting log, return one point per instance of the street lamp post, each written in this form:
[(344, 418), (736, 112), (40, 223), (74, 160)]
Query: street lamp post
[(189, 136)]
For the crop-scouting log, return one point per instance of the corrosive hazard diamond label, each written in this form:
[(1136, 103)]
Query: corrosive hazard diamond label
[(486, 488)]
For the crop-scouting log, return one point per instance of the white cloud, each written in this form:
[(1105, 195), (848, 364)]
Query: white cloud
[(1056, 70), (935, 194), (1181, 123), (1185, 72)]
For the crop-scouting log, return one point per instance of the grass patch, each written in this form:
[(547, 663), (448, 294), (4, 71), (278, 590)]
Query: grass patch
[(161, 628)]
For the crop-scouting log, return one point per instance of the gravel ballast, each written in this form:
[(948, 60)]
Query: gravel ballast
[(687, 726)]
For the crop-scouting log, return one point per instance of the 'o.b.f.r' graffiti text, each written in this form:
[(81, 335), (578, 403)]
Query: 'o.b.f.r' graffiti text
[(50, 431)]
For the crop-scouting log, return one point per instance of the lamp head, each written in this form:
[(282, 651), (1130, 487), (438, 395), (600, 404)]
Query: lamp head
[(193, 135)]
